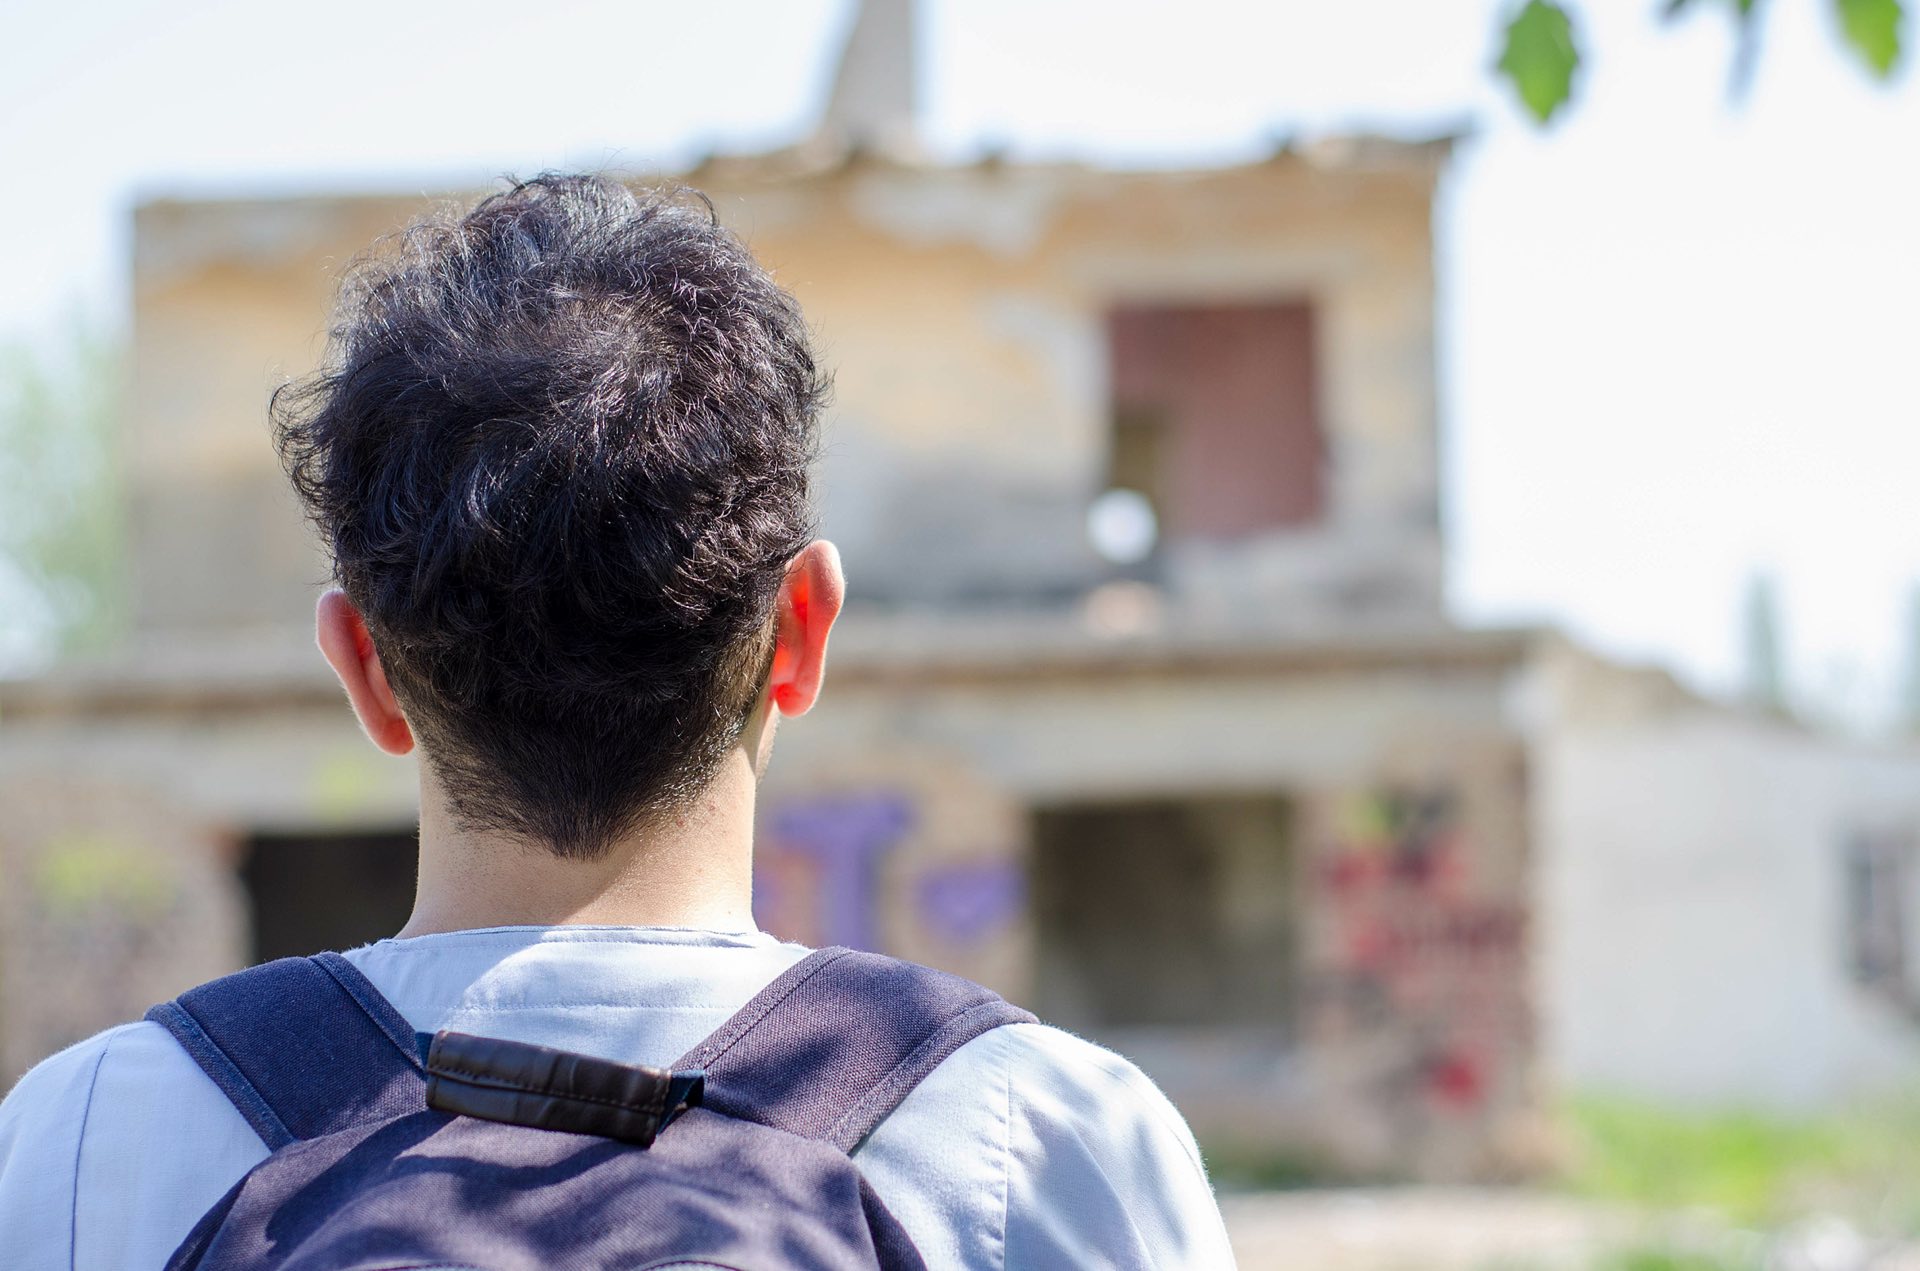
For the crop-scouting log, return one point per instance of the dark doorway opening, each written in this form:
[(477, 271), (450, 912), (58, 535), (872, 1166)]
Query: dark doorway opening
[(1166, 913), (310, 892)]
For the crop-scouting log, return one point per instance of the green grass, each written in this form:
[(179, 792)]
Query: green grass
[(1751, 1169), (1662, 1258), (1263, 1170)]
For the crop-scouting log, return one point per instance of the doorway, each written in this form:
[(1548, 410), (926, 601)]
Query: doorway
[(1166, 914), (310, 892)]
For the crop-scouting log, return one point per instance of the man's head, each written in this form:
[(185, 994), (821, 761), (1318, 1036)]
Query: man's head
[(559, 453)]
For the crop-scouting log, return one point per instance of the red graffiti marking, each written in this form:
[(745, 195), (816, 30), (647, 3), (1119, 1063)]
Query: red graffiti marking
[(1411, 953), (1456, 1080)]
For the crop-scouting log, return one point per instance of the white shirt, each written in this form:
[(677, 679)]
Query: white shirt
[(1028, 1147)]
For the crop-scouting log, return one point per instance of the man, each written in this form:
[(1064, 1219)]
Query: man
[(560, 456)]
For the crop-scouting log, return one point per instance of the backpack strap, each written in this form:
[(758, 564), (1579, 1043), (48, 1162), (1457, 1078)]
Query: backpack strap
[(301, 1046), (832, 1046)]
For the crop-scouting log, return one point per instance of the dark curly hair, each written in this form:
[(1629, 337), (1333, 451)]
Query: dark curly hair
[(559, 453)]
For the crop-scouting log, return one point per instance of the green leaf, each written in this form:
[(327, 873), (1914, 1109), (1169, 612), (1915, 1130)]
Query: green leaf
[(1743, 8), (1872, 27), (1540, 57)]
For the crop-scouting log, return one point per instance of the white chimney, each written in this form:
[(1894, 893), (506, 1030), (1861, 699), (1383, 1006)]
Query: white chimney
[(873, 104)]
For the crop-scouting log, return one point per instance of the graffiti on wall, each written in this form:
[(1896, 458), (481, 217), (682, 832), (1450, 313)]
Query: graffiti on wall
[(968, 901), (826, 873), (1410, 950), (113, 900), (831, 849)]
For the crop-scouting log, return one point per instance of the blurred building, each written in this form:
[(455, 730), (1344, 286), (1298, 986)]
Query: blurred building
[(1146, 711)]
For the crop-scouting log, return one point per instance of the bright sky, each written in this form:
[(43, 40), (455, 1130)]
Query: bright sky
[(1679, 332)]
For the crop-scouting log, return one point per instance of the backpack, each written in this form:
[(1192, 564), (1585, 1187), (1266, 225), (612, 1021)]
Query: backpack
[(394, 1151)]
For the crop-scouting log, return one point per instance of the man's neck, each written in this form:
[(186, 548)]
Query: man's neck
[(690, 869)]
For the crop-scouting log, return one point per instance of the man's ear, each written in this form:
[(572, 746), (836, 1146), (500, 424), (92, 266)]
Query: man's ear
[(809, 601), (348, 648)]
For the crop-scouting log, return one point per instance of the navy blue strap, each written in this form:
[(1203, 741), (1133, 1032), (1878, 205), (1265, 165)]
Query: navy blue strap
[(302, 1047), (831, 1047)]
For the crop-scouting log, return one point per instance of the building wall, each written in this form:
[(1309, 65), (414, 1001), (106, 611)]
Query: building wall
[(900, 815), (230, 301), (1406, 1045), (964, 314), (121, 833), (1694, 910), (115, 898)]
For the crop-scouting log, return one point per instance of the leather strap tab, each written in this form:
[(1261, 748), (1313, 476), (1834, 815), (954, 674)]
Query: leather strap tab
[(523, 1084)]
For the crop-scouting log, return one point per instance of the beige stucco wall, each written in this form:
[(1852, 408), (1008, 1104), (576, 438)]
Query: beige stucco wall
[(122, 822), (962, 312), (230, 300), (899, 814), (1410, 1045)]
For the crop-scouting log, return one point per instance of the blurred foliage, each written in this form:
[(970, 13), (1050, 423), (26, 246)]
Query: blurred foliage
[(60, 530), (1540, 57), (1872, 27), (83, 873), (1540, 48), (1667, 1258), (1754, 1169), (1238, 1168)]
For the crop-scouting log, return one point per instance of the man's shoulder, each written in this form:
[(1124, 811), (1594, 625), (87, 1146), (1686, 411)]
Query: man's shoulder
[(80, 1138), (1032, 1147), (69, 1076), (1077, 1086), (43, 1127), (135, 1068)]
